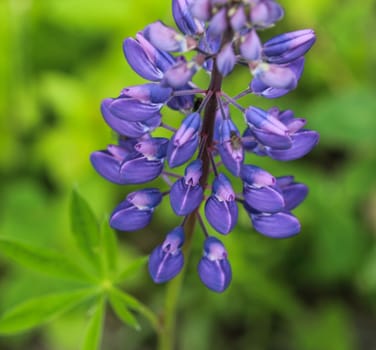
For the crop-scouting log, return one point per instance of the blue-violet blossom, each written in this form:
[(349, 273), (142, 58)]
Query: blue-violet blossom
[(218, 35)]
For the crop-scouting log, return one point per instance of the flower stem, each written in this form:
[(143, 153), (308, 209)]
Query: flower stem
[(167, 335), (168, 332)]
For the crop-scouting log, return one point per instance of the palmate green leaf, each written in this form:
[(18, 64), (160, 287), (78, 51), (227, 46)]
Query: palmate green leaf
[(42, 260), (94, 330), (37, 311), (110, 247), (85, 228), (120, 307)]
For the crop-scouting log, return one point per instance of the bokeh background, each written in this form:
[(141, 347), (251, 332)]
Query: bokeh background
[(317, 291)]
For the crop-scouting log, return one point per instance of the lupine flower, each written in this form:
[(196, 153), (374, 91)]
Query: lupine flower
[(219, 35)]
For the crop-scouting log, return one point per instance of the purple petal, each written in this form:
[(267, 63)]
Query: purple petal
[(238, 20), (294, 194), (140, 56), (226, 60), (201, 9), (107, 166), (222, 215), (130, 219), (147, 93), (288, 47), (255, 176), (215, 275), (166, 260), (302, 143), (250, 47), (140, 170), (179, 74), (133, 110), (278, 225), (165, 38), (265, 13), (164, 266), (184, 19), (146, 198), (178, 155), (214, 269), (130, 129), (272, 140), (232, 159), (264, 199), (184, 198)]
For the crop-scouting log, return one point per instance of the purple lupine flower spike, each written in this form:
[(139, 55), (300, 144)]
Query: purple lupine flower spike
[(214, 268), (136, 211), (218, 34), (220, 208), (167, 259), (186, 193)]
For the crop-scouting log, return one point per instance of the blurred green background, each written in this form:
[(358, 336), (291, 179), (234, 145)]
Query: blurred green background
[(317, 291)]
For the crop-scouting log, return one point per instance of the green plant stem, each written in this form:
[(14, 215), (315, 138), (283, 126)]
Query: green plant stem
[(168, 329)]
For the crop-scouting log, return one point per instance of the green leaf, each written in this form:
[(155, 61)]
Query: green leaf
[(110, 247), (42, 260), (133, 267), (132, 303), (85, 227), (120, 307), (39, 310), (94, 330)]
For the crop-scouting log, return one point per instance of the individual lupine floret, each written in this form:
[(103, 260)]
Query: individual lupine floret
[(123, 166), (186, 193), (184, 142), (127, 128), (226, 59), (181, 10), (145, 59), (250, 46), (280, 134), (139, 103), (152, 64), (259, 190), (220, 208), (168, 39), (167, 259), (277, 223), (214, 269), (287, 47), (272, 80), (135, 212), (230, 147), (265, 13)]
